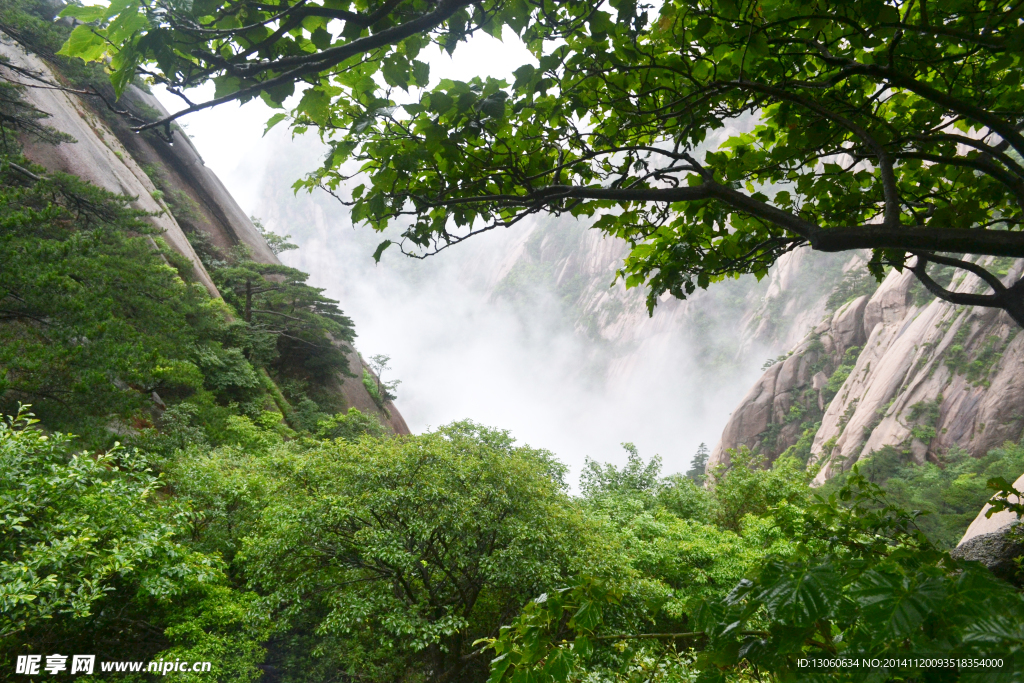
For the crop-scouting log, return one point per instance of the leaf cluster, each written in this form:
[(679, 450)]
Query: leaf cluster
[(92, 560)]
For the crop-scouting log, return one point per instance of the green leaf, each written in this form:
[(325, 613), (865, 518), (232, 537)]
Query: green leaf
[(499, 665), (122, 77), (363, 123), (582, 646), (893, 605), (601, 22), (588, 616), (380, 250), (703, 27), (798, 595), (995, 630), (85, 44), (396, 73), (321, 38), (494, 105), (225, 85), (559, 664), (439, 102), (316, 104), (524, 676), (273, 121), (85, 14), (270, 101), (420, 74), (128, 22), (757, 46), (888, 15), (276, 95)]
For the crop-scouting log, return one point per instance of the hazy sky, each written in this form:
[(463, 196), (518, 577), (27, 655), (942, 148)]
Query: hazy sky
[(459, 353)]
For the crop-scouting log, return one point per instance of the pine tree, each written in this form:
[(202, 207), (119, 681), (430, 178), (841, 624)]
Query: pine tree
[(699, 464)]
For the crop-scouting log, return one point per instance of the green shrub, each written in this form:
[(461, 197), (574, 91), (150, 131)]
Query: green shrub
[(951, 491), (745, 487), (386, 556), (93, 560), (350, 426)]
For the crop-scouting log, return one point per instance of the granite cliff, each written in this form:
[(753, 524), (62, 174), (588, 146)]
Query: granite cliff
[(105, 152), (995, 540), (892, 368)]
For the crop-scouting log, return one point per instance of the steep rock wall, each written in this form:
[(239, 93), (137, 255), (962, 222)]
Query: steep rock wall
[(214, 210), (109, 155), (800, 381), (96, 155), (930, 375), (928, 378)]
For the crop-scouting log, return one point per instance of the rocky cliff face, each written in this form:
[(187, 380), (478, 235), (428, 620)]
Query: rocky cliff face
[(896, 368), (108, 154), (96, 155)]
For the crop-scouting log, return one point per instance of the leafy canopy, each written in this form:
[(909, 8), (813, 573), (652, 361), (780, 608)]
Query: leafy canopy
[(92, 560), (711, 135), (381, 556), (858, 581)]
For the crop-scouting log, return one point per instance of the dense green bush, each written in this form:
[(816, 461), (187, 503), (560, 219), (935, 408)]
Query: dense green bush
[(850, 576), (387, 557), (950, 491), (93, 320), (748, 487), (94, 560)]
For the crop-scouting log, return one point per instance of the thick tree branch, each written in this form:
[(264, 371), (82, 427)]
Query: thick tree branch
[(316, 63), (953, 240), (992, 281), (1008, 299), (841, 238)]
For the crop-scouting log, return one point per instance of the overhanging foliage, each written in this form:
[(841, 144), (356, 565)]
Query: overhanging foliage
[(892, 125)]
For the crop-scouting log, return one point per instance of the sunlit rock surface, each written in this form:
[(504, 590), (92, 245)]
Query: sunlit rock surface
[(96, 155)]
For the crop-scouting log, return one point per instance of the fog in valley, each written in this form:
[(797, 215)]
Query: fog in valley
[(509, 329)]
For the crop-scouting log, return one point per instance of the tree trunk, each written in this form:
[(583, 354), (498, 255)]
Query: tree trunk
[(248, 301)]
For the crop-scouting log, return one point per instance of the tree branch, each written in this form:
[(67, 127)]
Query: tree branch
[(1007, 299), (885, 165), (322, 61), (1000, 126), (913, 239)]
